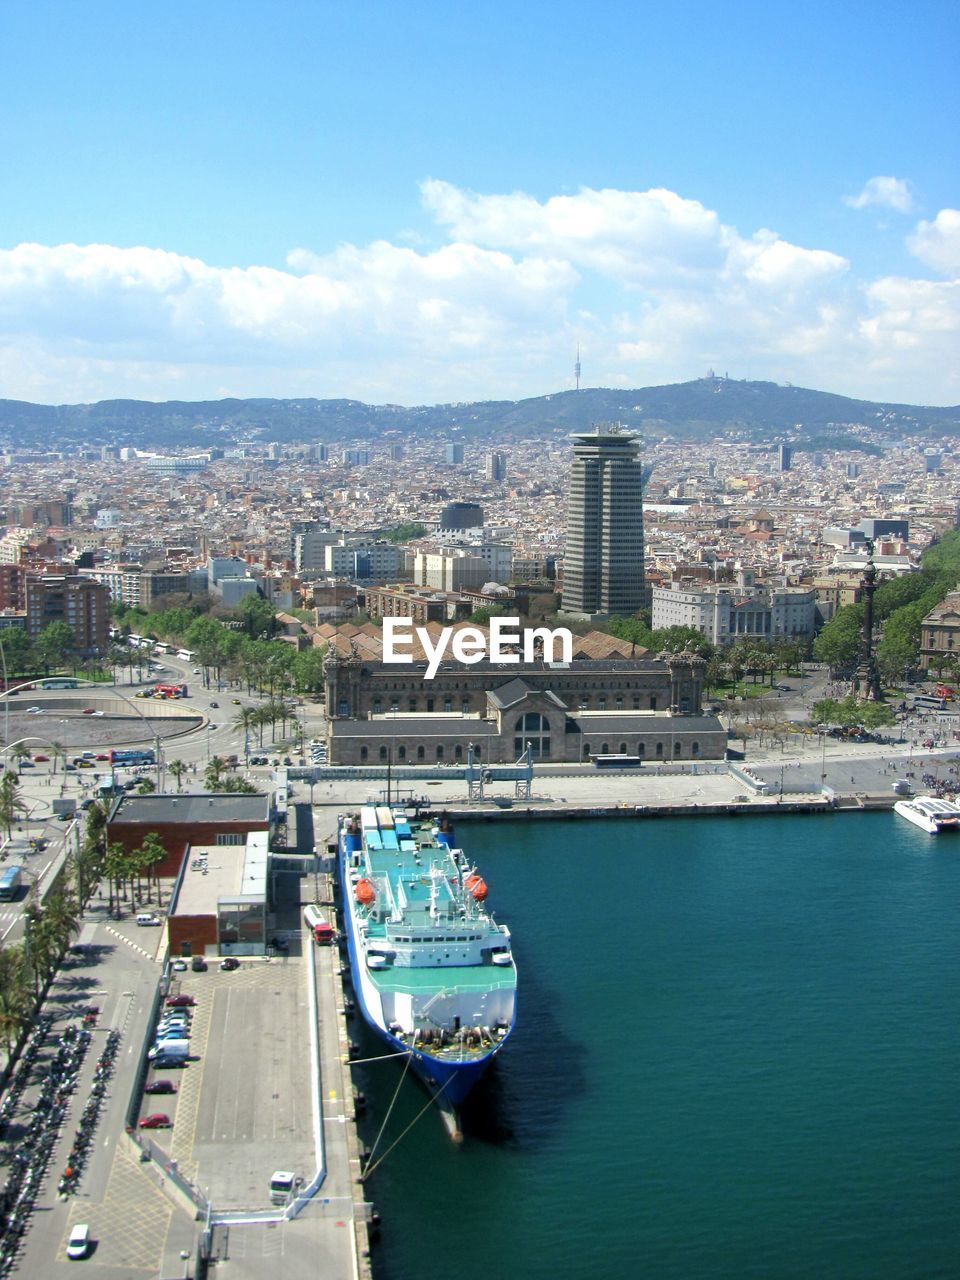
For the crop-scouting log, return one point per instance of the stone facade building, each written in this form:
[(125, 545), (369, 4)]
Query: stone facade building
[(940, 634), (650, 707)]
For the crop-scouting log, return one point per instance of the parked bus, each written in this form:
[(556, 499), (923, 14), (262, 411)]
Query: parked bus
[(185, 655), (162, 648), (125, 756), (10, 883), (926, 702), (134, 641), (59, 682)]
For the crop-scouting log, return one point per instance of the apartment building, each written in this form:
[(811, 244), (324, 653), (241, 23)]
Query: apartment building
[(84, 605)]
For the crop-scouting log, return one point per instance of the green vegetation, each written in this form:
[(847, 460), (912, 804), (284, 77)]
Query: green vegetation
[(851, 711), (51, 652), (403, 532), (239, 649), (900, 605)]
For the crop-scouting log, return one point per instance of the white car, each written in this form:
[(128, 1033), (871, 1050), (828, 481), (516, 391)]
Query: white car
[(79, 1242)]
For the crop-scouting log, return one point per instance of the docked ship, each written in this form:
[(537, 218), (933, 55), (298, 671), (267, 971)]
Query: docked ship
[(433, 972), (929, 813)]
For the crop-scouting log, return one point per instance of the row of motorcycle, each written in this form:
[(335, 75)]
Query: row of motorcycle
[(88, 1119), (28, 1164)]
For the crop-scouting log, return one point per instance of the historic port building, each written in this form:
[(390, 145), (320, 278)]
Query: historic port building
[(641, 705)]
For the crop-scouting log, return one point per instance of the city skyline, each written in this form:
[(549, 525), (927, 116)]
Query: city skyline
[(443, 207)]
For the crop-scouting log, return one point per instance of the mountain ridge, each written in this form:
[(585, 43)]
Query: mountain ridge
[(701, 408)]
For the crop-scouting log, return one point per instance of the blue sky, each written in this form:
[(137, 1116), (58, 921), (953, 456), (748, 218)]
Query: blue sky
[(438, 201)]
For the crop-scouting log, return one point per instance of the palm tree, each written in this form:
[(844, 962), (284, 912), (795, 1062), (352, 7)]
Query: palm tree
[(176, 768), (115, 867), (145, 786), (57, 752), (20, 753), (15, 997), (213, 774), (152, 853), (60, 913), (10, 802), (246, 719)]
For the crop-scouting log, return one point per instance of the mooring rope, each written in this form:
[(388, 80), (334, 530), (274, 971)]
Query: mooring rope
[(427, 1105), (396, 1092)]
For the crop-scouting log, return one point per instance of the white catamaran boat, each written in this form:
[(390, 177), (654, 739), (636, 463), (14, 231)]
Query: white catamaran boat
[(931, 814)]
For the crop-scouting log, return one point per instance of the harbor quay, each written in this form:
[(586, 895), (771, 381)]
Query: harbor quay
[(814, 776)]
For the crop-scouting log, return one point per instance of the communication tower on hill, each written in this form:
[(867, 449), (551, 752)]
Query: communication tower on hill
[(576, 367)]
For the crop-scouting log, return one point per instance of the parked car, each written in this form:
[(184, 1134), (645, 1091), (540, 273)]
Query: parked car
[(156, 1121), (88, 711), (215, 704), (181, 1002), (160, 1086), (229, 964), (198, 964), (78, 1244), (180, 965), (42, 759)]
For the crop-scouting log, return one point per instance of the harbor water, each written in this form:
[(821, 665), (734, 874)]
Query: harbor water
[(737, 1056)]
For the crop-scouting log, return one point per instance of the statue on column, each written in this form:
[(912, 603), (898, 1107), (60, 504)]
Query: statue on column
[(866, 681)]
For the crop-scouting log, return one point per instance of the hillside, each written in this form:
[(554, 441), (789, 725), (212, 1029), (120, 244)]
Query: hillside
[(702, 408)]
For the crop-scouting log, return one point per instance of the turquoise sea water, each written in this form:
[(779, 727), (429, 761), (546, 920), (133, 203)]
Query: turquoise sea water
[(737, 1056)]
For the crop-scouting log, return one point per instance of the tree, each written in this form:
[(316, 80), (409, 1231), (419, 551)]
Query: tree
[(480, 617), (214, 773), (246, 719), (53, 645), (20, 752), (307, 670), (145, 786), (152, 853), (10, 801), (16, 649), (15, 997), (257, 615), (838, 644), (176, 768), (115, 866)]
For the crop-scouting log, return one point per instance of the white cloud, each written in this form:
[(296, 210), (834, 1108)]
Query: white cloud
[(888, 193), (937, 243), (654, 286)]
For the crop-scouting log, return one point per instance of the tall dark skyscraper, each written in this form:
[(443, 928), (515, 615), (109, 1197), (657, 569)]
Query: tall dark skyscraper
[(785, 457), (603, 566), (496, 466)]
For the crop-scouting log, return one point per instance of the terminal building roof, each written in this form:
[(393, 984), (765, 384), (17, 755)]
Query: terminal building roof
[(151, 810)]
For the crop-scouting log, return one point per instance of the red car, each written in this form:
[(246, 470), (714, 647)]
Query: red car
[(160, 1086), (103, 756), (88, 711), (157, 1121), (42, 759), (180, 1002)]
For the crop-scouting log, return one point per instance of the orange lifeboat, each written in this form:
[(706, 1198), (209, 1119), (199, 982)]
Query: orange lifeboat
[(477, 886), (365, 892)]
